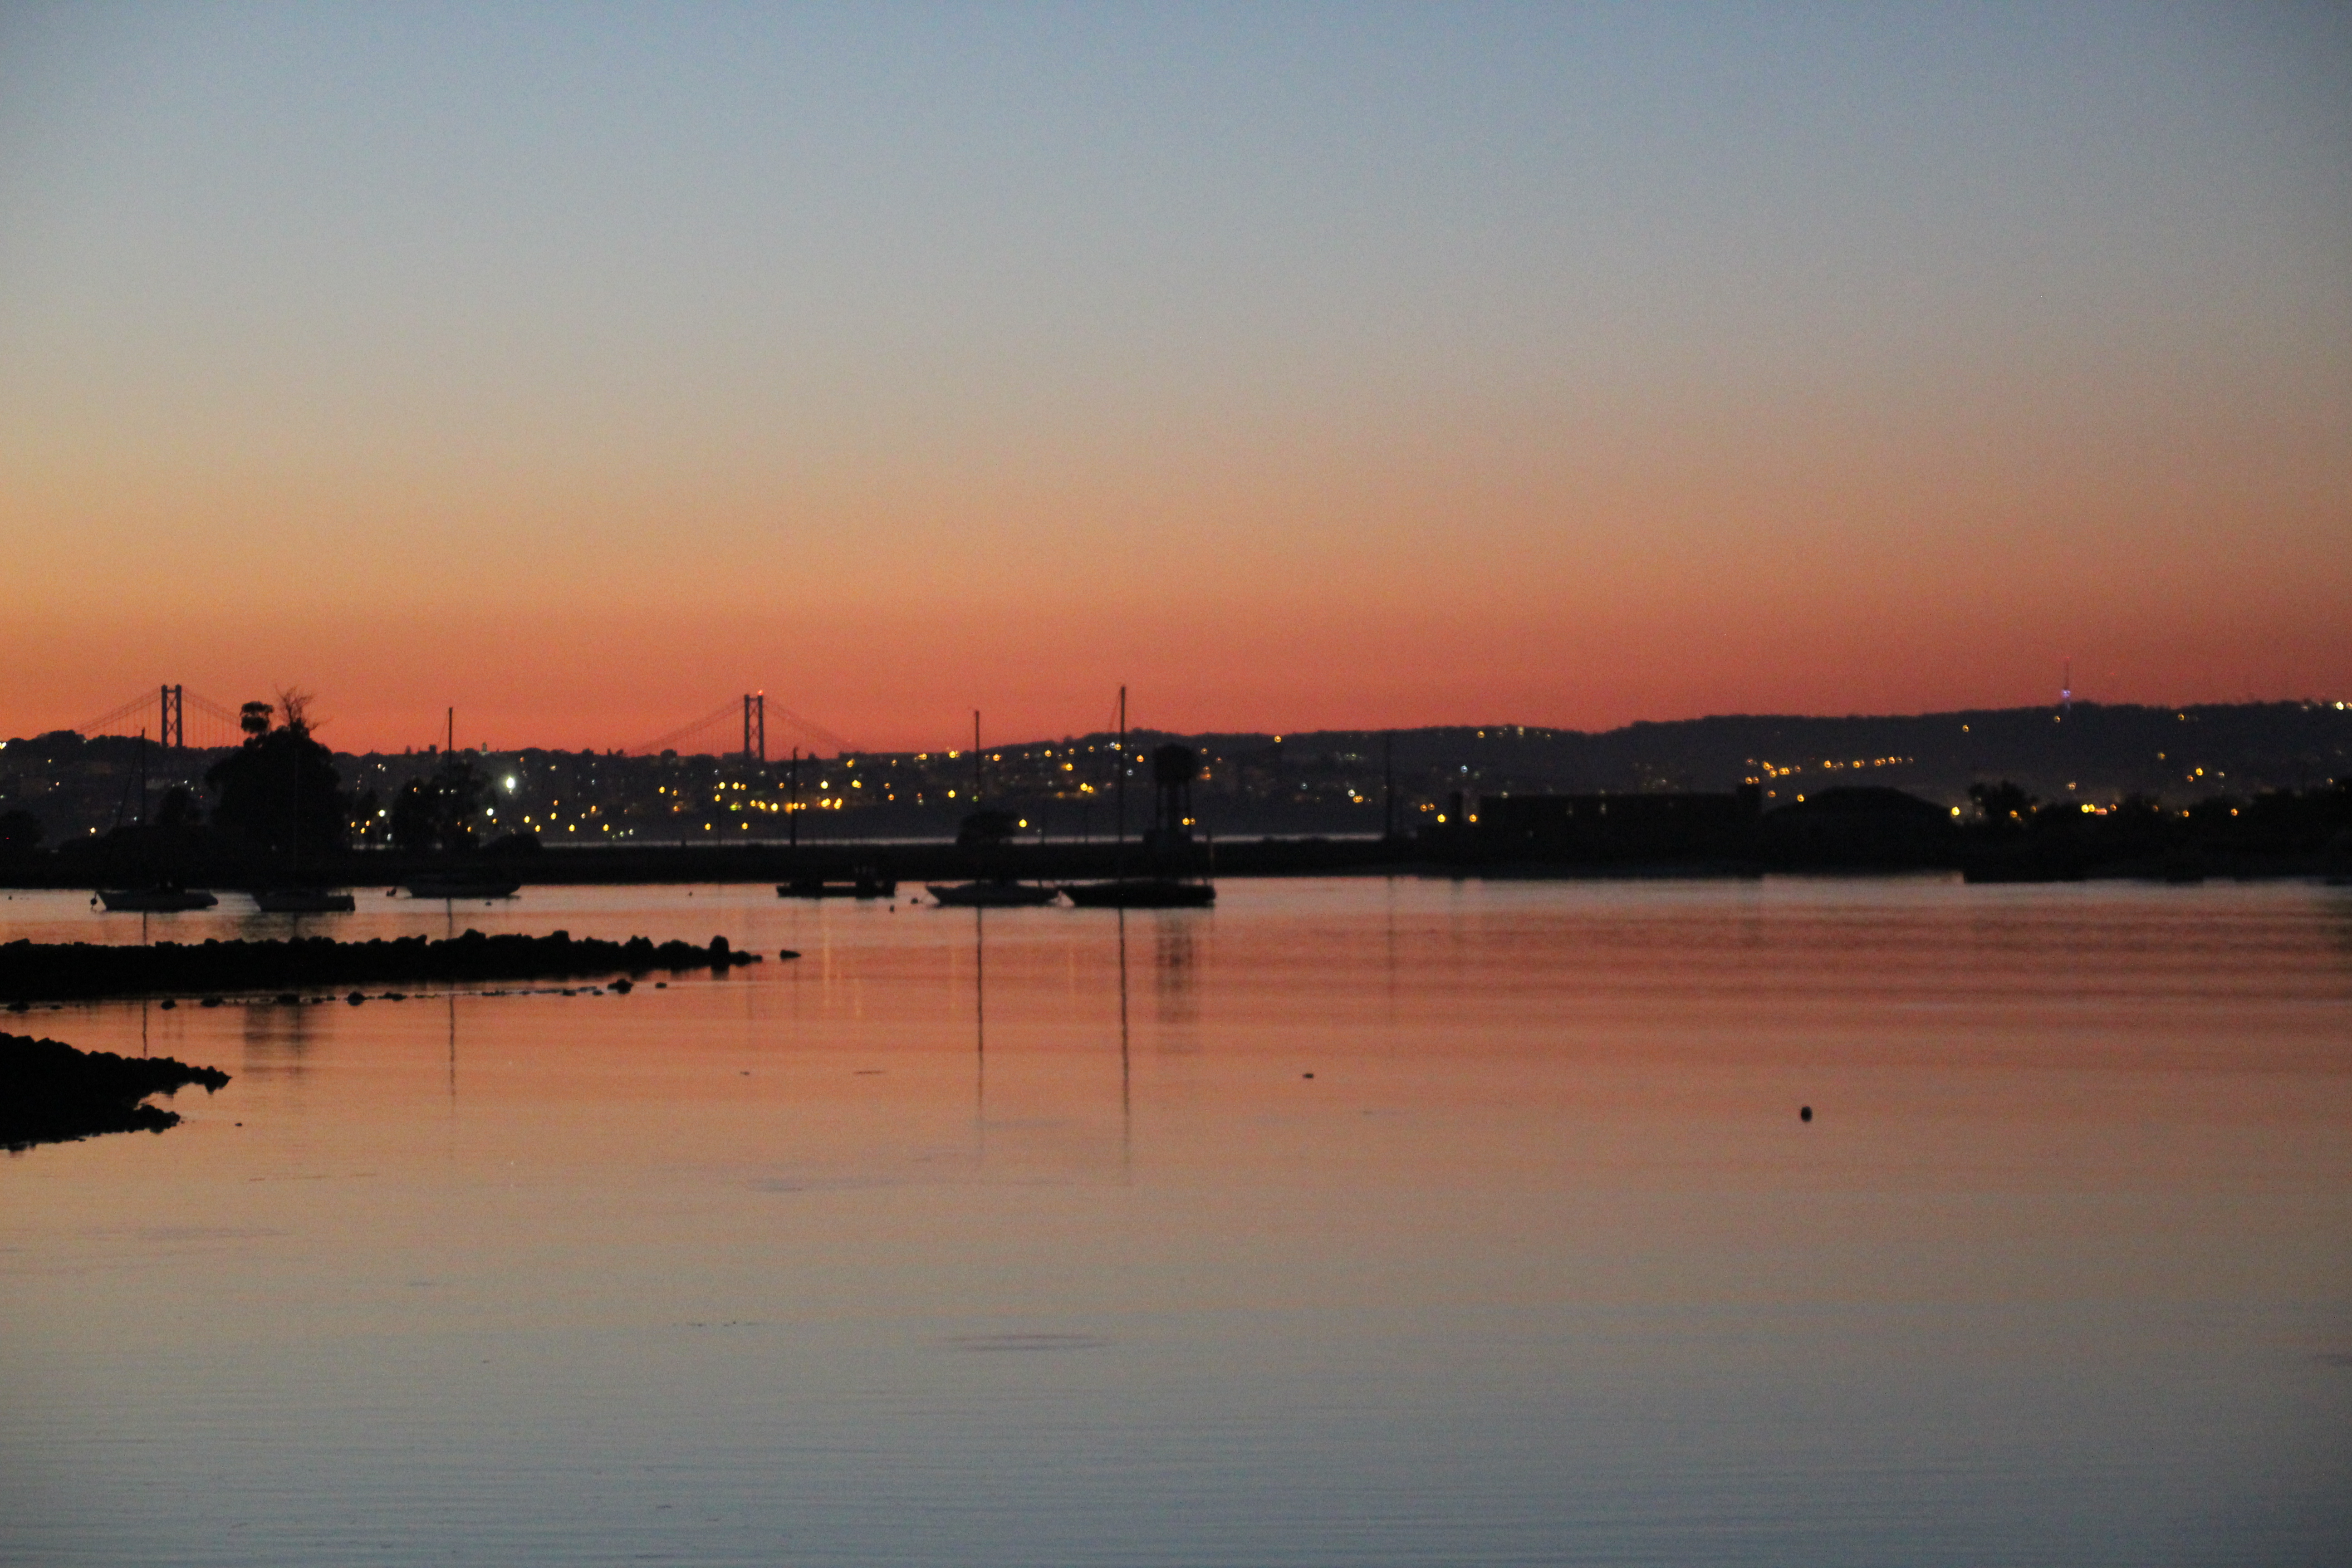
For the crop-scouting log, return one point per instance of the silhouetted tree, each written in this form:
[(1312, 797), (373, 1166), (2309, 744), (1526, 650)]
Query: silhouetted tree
[(2063, 817), (415, 812), (2216, 813), (281, 788), (984, 829), (178, 808), (438, 813), (2003, 803)]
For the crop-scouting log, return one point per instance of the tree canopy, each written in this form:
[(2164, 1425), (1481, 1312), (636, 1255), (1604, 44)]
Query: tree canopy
[(437, 812), (281, 788)]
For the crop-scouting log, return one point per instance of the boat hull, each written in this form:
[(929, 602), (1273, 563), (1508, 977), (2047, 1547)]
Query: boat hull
[(1140, 894), (156, 901), (432, 888), (303, 901), (993, 895), (864, 888)]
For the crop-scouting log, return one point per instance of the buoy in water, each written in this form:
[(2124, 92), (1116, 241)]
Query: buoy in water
[(1804, 1113)]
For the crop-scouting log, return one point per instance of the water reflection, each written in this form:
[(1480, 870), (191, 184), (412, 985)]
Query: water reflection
[(1173, 976), (1541, 1254), (277, 1035), (265, 925), (980, 1028), (2338, 905), (1126, 1067)]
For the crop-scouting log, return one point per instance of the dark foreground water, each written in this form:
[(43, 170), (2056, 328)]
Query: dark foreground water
[(1033, 1241)]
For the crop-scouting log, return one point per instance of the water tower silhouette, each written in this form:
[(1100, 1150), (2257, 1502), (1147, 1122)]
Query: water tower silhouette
[(1173, 769)]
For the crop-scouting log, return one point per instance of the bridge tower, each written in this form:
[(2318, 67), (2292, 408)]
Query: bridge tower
[(173, 732), (755, 727)]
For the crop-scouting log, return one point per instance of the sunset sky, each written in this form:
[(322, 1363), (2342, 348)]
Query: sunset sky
[(1299, 366)]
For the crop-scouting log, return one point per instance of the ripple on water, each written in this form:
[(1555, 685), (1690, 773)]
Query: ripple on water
[(1027, 1341)]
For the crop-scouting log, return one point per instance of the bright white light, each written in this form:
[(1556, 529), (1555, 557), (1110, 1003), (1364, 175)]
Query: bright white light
[(510, 783)]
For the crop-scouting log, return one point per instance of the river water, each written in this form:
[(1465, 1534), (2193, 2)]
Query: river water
[(1350, 1221)]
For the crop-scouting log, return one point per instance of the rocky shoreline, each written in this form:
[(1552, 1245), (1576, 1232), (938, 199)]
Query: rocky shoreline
[(52, 1093), (78, 971)]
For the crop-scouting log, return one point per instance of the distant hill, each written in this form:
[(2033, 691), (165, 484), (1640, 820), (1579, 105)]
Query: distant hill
[(2096, 752), (64, 788)]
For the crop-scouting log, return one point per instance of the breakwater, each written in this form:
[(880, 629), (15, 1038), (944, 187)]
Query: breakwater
[(52, 1093), (72, 971)]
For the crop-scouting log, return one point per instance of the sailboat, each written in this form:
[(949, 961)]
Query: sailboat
[(1154, 893), (156, 901), (864, 882), (992, 893), (460, 885), (1141, 893), (302, 901), (155, 898), (989, 892)]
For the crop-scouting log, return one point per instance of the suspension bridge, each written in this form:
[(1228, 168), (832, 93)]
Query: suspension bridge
[(163, 714), (217, 724), (753, 711)]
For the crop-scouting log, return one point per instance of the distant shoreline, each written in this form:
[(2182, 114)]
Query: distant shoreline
[(916, 863)]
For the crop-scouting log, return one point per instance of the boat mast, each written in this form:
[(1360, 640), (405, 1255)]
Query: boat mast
[(1120, 859)]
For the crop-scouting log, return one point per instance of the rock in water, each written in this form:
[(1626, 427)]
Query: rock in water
[(52, 1093)]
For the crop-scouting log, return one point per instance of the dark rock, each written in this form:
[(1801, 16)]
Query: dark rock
[(82, 971), (52, 1093)]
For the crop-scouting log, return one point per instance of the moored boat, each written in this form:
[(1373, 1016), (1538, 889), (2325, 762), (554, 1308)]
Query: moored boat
[(302, 901), (1140, 894), (861, 884), (459, 888), (156, 901), (1173, 768), (996, 893)]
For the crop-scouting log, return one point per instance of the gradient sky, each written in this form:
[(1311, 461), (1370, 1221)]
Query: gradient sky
[(1300, 367)]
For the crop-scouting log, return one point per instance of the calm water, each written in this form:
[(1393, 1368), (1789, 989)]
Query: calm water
[(1028, 1238)]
